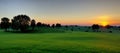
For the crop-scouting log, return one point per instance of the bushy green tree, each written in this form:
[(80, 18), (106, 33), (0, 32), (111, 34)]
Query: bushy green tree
[(21, 22), (5, 23)]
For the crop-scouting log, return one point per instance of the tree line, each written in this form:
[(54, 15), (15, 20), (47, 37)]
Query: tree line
[(96, 27), (22, 23)]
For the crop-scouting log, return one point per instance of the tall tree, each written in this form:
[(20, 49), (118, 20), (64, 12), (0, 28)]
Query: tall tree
[(33, 24), (21, 22), (53, 26), (5, 23)]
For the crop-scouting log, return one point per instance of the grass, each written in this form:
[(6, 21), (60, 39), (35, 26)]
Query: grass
[(69, 42)]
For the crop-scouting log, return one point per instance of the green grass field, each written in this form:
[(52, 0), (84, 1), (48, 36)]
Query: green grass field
[(67, 42)]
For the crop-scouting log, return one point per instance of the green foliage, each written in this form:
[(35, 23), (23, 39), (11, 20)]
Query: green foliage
[(69, 42), (5, 23), (21, 22)]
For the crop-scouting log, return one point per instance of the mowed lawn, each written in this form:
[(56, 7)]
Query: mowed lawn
[(68, 42)]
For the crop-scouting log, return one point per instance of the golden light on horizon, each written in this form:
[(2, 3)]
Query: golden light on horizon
[(104, 23), (104, 20)]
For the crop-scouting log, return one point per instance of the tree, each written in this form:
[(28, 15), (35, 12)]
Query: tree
[(118, 27), (21, 22), (15, 25), (48, 25), (58, 25), (5, 23), (39, 24), (95, 27), (0, 25), (108, 26), (44, 25), (33, 24), (53, 26)]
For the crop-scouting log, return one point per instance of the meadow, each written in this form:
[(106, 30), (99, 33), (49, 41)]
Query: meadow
[(66, 42)]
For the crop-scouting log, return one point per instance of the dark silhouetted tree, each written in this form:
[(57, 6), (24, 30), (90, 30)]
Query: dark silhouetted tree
[(95, 27), (44, 25), (48, 25), (0, 25), (118, 27), (58, 25), (39, 24), (108, 26), (5, 23), (53, 26), (33, 24), (15, 25), (21, 22)]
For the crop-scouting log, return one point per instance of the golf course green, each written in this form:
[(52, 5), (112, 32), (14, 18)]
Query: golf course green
[(66, 42)]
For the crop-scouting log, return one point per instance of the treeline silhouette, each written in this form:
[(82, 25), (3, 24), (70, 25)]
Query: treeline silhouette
[(96, 27), (23, 23)]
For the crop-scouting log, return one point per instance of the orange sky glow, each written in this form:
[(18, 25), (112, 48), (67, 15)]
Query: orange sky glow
[(101, 20), (66, 12)]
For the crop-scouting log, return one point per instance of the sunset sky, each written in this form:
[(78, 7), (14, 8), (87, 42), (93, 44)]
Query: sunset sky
[(73, 12)]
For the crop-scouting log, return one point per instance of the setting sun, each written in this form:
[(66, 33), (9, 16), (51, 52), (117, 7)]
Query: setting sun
[(104, 23), (104, 20)]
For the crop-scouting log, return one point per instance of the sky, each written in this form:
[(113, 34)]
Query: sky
[(66, 12)]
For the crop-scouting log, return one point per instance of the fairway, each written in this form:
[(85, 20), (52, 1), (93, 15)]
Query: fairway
[(69, 42)]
